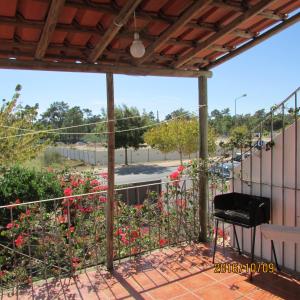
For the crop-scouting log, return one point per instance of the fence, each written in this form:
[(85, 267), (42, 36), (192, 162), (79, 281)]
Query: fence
[(57, 237), (99, 157)]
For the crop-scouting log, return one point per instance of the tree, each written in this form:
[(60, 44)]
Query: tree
[(180, 135), (178, 113), (54, 116), (128, 119), (240, 137), (74, 117), (18, 141)]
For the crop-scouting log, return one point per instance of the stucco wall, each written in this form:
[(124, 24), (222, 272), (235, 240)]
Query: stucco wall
[(283, 190)]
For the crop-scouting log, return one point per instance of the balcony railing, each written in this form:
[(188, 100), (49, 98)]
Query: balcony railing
[(58, 237)]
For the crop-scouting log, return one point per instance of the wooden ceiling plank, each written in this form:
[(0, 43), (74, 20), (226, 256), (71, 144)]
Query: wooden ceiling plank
[(55, 10), (188, 15), (282, 26), (121, 19), (225, 30), (99, 68)]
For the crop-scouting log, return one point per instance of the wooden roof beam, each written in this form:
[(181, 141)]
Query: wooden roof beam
[(99, 68), (55, 10), (20, 21), (282, 26), (224, 31), (121, 19), (188, 15), (268, 14)]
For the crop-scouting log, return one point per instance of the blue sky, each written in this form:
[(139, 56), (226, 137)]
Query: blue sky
[(267, 73)]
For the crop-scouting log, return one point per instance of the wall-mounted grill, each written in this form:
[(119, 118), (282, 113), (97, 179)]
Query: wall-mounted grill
[(243, 210)]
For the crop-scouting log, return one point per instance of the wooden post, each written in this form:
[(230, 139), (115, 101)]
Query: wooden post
[(203, 155), (110, 170)]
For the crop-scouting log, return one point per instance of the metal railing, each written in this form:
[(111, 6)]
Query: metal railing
[(59, 237), (269, 167)]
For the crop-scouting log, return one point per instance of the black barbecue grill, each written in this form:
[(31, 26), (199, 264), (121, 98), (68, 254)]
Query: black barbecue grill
[(243, 210)]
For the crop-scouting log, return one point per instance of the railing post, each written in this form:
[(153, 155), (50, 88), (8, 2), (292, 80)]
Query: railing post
[(203, 155), (110, 170)]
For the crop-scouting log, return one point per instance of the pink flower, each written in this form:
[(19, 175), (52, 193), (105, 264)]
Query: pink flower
[(180, 168), (94, 182), (12, 225), (19, 241), (175, 175), (181, 203), (102, 199), (68, 192), (62, 219), (104, 175), (75, 262), (74, 183), (162, 242)]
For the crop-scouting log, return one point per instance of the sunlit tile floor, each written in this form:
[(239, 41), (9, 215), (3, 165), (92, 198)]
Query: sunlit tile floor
[(175, 273)]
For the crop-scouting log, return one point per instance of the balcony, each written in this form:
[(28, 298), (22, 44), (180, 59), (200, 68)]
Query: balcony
[(182, 272), (57, 248)]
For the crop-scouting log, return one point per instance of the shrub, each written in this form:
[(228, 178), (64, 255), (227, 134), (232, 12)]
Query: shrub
[(28, 185)]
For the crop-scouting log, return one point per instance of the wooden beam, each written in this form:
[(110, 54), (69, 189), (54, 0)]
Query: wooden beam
[(122, 34), (110, 171), (188, 15), (282, 26), (233, 5), (203, 156), (99, 68), (55, 10), (122, 18), (225, 30)]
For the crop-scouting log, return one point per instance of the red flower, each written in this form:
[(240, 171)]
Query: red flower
[(134, 234), (138, 206), (62, 219), (162, 242), (81, 181), (12, 225), (71, 229), (19, 241), (74, 183), (2, 273), (180, 168), (68, 192), (181, 203), (94, 182), (175, 175), (102, 199), (75, 262), (27, 212), (18, 201), (119, 232)]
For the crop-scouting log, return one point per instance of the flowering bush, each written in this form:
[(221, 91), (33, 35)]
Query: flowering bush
[(70, 234)]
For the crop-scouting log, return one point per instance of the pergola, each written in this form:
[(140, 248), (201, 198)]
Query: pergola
[(183, 38)]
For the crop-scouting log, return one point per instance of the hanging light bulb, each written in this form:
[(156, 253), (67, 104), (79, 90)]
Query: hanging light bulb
[(137, 48)]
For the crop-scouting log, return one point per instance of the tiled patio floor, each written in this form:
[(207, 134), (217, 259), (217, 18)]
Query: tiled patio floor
[(176, 273)]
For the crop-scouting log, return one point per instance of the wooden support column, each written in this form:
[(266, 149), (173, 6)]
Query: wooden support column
[(203, 156), (110, 169)]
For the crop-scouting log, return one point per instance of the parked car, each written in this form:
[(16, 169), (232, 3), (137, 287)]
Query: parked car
[(259, 144)]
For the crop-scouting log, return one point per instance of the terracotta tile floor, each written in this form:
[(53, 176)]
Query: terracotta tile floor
[(177, 273)]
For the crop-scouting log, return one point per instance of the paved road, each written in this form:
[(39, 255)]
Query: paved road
[(143, 172)]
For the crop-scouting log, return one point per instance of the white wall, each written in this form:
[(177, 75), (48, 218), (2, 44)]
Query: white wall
[(134, 156), (285, 193)]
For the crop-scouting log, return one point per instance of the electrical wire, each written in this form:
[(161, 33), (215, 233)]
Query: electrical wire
[(100, 133)]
